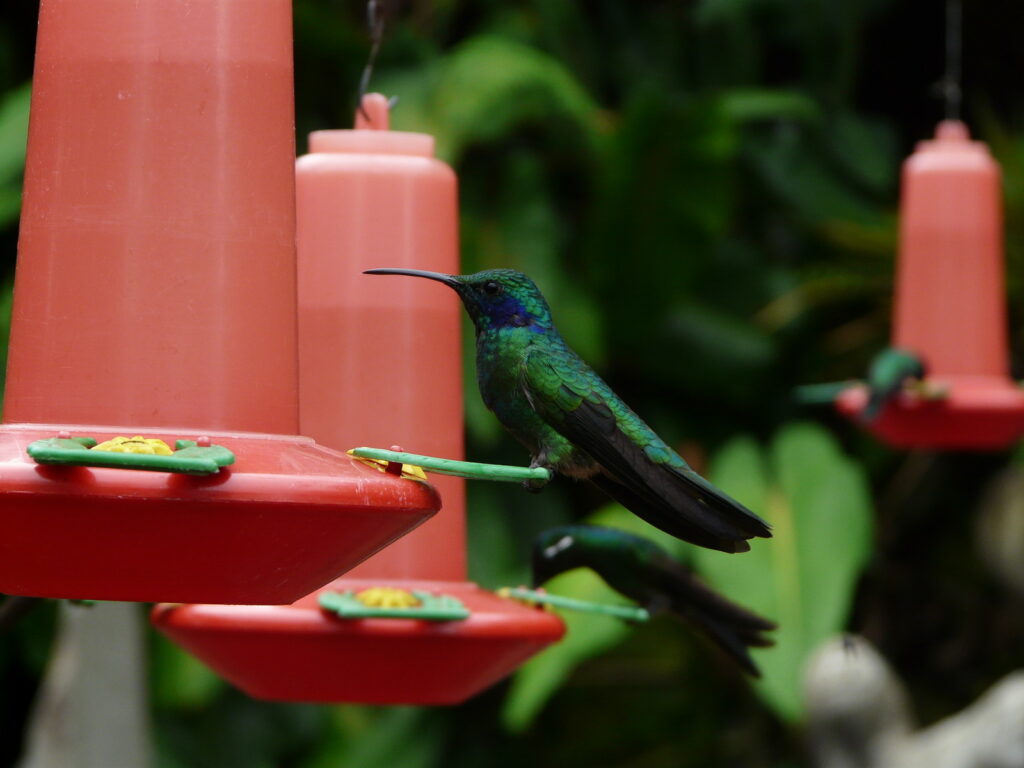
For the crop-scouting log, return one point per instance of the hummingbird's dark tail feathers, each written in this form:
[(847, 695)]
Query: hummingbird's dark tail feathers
[(669, 519), (727, 507), (667, 494), (732, 627)]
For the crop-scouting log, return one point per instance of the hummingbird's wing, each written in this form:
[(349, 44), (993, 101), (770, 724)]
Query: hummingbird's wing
[(638, 469), (687, 521)]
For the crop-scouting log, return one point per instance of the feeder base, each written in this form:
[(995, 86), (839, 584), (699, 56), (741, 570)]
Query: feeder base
[(302, 652), (977, 414), (288, 516)]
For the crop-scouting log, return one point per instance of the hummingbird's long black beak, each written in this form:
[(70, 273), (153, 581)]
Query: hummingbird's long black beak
[(449, 280)]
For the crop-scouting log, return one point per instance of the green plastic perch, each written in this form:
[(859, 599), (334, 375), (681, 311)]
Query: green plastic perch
[(633, 613), (469, 469), (189, 457), (822, 394), (430, 607)]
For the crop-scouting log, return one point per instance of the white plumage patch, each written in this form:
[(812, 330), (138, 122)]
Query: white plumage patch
[(562, 544)]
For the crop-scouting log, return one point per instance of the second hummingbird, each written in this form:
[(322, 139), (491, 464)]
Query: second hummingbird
[(574, 424)]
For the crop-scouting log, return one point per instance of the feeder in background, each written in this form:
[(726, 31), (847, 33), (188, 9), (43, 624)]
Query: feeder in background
[(950, 303), (155, 296), (380, 364)]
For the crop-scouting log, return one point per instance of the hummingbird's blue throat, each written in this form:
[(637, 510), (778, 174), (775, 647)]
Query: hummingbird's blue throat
[(509, 312)]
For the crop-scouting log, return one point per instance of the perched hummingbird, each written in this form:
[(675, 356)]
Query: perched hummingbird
[(641, 570), (572, 422), (890, 371)]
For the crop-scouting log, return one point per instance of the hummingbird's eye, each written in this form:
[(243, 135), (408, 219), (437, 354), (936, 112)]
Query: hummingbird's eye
[(492, 288)]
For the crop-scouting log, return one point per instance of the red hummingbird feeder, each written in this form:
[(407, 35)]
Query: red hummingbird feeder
[(950, 303), (155, 297), (380, 362)]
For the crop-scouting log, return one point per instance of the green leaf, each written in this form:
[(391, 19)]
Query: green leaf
[(750, 104), (10, 203), (797, 168), (719, 339), (587, 635), (14, 132), (6, 306), (486, 88), (410, 737), (180, 680), (866, 150), (721, 11), (818, 503)]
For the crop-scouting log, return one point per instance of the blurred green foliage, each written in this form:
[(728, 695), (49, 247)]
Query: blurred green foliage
[(819, 505), (13, 136), (706, 192)]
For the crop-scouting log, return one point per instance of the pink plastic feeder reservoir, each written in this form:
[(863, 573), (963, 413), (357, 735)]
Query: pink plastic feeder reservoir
[(155, 296), (380, 364), (950, 304), (380, 358)]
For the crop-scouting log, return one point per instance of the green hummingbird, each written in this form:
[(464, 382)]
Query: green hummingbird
[(642, 571), (574, 424), (891, 369)]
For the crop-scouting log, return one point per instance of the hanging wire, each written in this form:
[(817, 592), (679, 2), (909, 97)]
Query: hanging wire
[(375, 24), (952, 91)]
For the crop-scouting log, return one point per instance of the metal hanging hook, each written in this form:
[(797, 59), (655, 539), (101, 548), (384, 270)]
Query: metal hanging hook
[(375, 23), (952, 90)]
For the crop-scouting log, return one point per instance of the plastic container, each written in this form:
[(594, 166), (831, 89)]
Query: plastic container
[(155, 295), (381, 358), (950, 303)]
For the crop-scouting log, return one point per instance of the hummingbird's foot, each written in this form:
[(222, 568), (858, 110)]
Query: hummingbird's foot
[(535, 485)]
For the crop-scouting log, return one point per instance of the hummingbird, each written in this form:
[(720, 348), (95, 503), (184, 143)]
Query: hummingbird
[(639, 569), (891, 369), (572, 422)]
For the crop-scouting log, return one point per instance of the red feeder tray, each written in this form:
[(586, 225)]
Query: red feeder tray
[(976, 414), (950, 303), (303, 653), (156, 295), (285, 518)]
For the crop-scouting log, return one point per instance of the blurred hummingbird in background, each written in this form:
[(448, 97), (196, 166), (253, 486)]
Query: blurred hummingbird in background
[(891, 370), (574, 424), (642, 571)]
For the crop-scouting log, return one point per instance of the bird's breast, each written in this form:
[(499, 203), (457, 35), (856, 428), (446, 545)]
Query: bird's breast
[(500, 361)]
